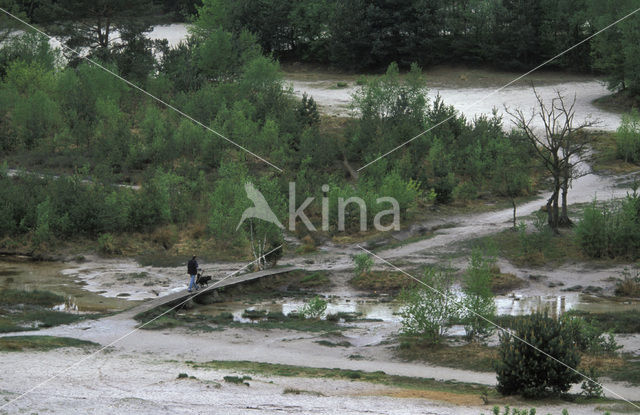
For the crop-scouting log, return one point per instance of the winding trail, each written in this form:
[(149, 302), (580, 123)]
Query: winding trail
[(295, 348)]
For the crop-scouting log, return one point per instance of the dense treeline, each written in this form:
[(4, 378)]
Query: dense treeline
[(507, 34), (47, 11)]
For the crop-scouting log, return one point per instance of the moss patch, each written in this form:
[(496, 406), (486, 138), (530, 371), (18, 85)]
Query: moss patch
[(475, 357), (291, 284), (20, 343), (538, 249), (35, 297), (378, 377), (382, 282)]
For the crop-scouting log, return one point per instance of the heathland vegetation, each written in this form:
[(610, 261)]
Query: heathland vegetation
[(101, 137)]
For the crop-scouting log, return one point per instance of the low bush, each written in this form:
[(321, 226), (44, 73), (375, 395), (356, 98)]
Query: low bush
[(522, 369), (314, 308), (611, 229), (429, 309), (629, 286), (628, 137), (363, 263)]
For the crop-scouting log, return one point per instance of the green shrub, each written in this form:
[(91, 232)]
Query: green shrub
[(480, 307), (363, 263), (428, 312), (611, 230), (589, 337), (629, 286), (591, 388), (465, 191), (628, 137), (106, 244), (591, 231), (514, 411), (521, 369), (314, 308), (237, 380)]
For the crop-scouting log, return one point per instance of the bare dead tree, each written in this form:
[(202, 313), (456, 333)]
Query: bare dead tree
[(560, 146)]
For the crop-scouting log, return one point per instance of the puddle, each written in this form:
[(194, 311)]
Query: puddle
[(389, 312), (48, 276)]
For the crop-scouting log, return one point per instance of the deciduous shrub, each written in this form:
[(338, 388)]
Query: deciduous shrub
[(612, 229), (428, 312), (479, 304), (363, 263), (314, 308)]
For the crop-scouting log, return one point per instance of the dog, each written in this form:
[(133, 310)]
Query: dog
[(203, 280)]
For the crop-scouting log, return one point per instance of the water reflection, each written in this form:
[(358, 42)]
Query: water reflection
[(68, 305), (389, 311)]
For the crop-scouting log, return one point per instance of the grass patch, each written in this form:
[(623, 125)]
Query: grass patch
[(29, 310), (625, 368), (296, 283), (541, 249), (617, 322), (620, 101), (378, 377), (237, 380), (605, 158), (332, 344), (36, 319), (13, 297), (294, 391), (475, 357), (502, 283), (382, 282), (20, 343), (316, 279)]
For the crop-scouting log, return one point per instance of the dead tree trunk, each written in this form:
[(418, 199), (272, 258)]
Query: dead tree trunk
[(560, 147)]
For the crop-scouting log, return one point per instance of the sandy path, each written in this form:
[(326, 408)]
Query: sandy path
[(122, 383), (473, 102)]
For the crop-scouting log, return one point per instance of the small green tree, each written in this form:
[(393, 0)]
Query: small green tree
[(522, 369), (43, 231), (480, 307), (363, 263), (428, 312), (265, 236)]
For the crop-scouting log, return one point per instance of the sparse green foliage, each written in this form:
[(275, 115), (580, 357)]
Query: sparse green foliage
[(314, 308), (480, 308), (590, 387), (363, 263), (628, 137), (428, 309), (629, 286), (106, 244), (589, 337), (611, 229)]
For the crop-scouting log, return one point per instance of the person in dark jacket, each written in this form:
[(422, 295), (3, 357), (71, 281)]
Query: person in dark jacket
[(192, 270)]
